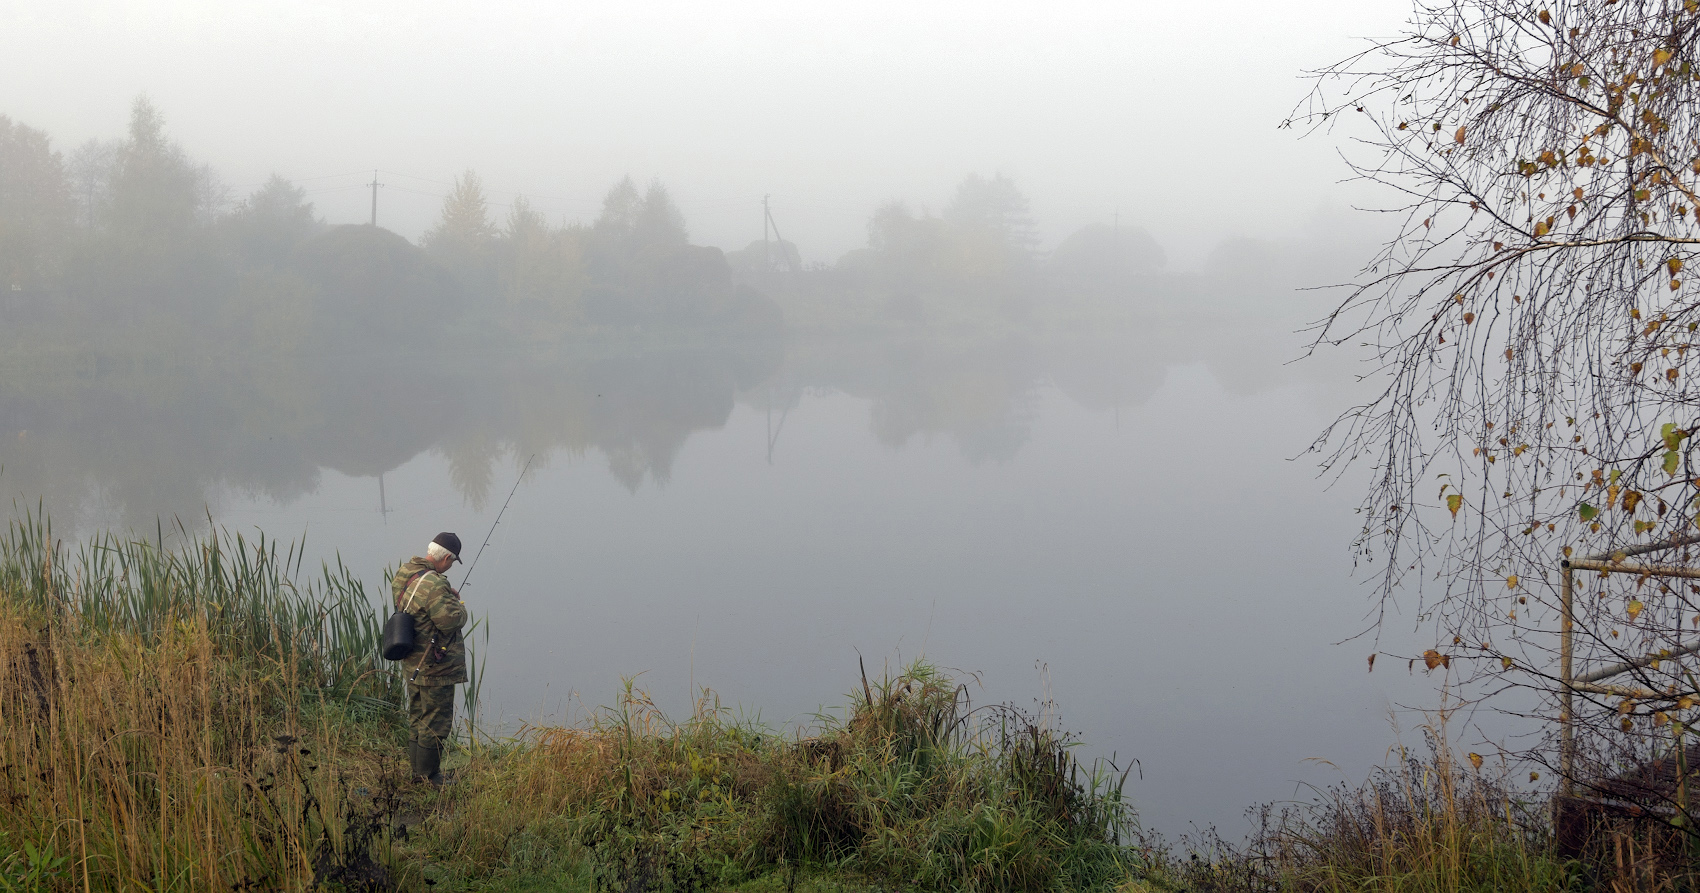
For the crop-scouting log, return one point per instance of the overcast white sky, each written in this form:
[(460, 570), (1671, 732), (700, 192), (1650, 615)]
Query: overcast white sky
[(1166, 112)]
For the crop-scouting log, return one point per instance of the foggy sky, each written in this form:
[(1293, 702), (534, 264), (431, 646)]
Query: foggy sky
[(1165, 112)]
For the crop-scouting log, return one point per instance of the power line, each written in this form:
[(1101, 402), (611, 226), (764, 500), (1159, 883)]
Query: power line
[(329, 189), (546, 201), (530, 194)]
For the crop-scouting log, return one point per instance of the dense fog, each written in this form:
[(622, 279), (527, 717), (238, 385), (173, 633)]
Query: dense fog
[(153, 306), (1167, 114), (989, 312)]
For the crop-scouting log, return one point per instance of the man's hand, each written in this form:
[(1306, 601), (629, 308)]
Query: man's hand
[(455, 592)]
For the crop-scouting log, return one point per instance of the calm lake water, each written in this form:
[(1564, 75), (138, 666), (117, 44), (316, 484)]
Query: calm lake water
[(1107, 527)]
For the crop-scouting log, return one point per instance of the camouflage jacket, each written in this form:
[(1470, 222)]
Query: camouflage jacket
[(424, 594)]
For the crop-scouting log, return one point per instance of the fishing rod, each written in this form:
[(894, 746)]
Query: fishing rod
[(431, 648), (474, 565)]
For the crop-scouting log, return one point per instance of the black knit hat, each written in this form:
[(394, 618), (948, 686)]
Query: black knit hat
[(448, 541)]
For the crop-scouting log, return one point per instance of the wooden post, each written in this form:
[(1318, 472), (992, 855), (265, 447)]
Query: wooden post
[(1566, 711)]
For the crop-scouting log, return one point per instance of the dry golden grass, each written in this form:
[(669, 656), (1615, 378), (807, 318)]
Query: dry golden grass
[(160, 762)]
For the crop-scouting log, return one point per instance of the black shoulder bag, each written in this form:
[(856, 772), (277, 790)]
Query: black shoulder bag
[(398, 630)]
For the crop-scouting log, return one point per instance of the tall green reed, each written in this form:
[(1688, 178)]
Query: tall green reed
[(250, 593)]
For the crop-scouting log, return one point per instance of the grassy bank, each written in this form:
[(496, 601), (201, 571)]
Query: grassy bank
[(206, 716)]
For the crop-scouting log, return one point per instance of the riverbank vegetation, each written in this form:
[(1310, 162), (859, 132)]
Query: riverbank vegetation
[(201, 716), (190, 713)]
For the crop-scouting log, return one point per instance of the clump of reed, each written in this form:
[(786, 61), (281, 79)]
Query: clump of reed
[(1422, 824), (250, 595), (1427, 823), (183, 719), (910, 786)]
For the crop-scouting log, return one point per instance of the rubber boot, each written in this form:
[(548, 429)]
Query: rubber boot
[(413, 759), (430, 762)]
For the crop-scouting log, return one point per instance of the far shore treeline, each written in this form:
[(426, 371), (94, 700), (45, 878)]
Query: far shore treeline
[(131, 241), (245, 344)]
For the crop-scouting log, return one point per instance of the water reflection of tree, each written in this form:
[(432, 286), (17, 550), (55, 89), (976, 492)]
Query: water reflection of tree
[(129, 444), (979, 392), (125, 439)]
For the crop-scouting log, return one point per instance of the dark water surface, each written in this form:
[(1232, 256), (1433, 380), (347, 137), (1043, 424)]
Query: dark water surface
[(1106, 528)]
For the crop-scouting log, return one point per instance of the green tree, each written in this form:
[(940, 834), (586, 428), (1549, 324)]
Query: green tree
[(912, 253), (157, 194), (992, 239), (35, 208), (621, 208), (660, 225), (464, 236), (525, 223), (993, 209), (642, 271), (1101, 259), (633, 226), (977, 255), (541, 270), (91, 169), (632, 242), (266, 227)]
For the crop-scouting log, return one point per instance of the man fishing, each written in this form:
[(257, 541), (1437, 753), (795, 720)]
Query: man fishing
[(438, 660)]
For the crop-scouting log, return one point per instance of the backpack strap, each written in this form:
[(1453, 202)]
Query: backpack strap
[(414, 580), (417, 579)]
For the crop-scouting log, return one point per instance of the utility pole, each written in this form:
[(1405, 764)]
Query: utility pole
[(374, 184)]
